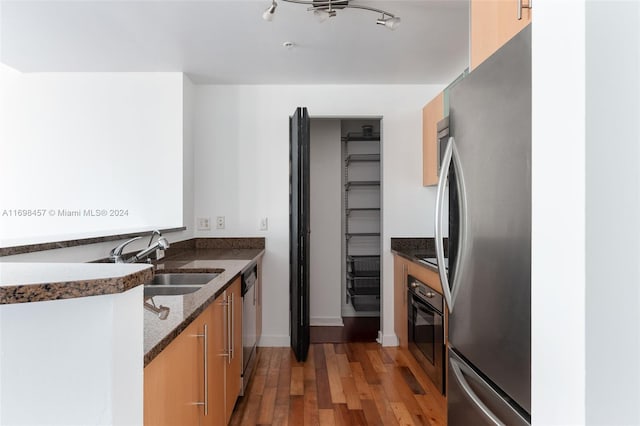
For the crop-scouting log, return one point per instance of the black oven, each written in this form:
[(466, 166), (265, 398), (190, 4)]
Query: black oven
[(426, 329)]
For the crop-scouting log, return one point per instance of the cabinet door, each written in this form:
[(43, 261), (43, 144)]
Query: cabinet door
[(493, 23), (234, 367), (172, 381), (431, 114), (259, 302), (400, 299), (217, 363)]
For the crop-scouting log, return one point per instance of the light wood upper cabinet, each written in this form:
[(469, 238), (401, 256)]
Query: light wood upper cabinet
[(432, 113), (400, 271), (493, 23)]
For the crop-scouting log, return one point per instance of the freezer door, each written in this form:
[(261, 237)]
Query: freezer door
[(472, 401), (490, 119)]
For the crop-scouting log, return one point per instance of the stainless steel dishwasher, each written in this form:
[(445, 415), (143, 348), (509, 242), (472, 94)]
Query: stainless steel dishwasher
[(249, 278)]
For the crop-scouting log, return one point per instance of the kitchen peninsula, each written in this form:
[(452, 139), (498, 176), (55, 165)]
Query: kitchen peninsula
[(68, 358)]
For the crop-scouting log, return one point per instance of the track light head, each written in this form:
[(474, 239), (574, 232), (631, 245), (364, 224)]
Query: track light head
[(269, 13), (391, 23)]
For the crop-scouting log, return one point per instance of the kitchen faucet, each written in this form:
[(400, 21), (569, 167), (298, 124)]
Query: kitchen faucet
[(116, 254)]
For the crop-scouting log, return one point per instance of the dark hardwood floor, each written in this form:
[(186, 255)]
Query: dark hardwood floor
[(355, 329), (340, 384)]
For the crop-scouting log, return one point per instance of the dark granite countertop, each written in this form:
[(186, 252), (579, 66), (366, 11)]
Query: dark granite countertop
[(38, 282), (184, 309), (414, 249)]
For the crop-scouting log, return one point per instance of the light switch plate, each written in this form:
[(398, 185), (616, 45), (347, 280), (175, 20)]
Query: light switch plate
[(264, 224)]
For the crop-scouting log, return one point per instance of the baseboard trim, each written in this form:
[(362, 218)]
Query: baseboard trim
[(390, 340), (326, 322)]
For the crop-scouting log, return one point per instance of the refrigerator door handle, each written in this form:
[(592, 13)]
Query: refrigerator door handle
[(457, 372), (442, 183), (451, 155)]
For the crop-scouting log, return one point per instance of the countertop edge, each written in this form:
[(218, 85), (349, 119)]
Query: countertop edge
[(414, 260), (42, 292)]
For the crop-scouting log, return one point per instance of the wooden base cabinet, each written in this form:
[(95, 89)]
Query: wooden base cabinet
[(174, 391), (400, 271), (233, 372), (180, 388)]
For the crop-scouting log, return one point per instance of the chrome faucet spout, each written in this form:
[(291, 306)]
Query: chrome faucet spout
[(155, 232), (116, 254), (161, 244)]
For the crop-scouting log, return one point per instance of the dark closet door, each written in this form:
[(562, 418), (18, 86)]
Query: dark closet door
[(299, 232)]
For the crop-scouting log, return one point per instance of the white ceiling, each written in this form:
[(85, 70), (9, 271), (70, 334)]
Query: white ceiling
[(228, 42)]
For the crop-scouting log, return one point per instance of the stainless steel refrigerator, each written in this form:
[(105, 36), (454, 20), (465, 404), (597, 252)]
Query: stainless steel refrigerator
[(486, 165)]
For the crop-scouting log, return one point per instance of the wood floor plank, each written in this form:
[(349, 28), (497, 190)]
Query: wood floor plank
[(362, 357), (435, 416), (335, 384), (351, 393), (364, 391), (401, 413), (310, 365), (284, 391), (322, 380), (283, 395), (327, 418), (297, 381), (371, 413), (267, 405), (296, 410), (376, 361), (311, 417), (343, 365)]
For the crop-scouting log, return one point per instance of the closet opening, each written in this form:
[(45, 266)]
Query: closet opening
[(345, 221)]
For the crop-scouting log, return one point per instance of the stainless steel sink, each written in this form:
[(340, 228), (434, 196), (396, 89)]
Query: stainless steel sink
[(150, 291), (182, 279)]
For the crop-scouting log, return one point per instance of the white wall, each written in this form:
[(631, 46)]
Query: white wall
[(325, 266), (613, 213), (75, 361), (188, 93), (101, 141), (96, 251), (242, 172), (558, 216)]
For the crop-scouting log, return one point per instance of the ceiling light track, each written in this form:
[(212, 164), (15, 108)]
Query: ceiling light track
[(324, 9)]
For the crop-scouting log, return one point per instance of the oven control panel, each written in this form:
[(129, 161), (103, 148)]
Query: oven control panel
[(426, 293)]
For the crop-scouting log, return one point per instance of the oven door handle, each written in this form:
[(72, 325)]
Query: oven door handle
[(420, 304)]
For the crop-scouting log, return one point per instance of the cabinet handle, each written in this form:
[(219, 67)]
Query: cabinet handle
[(522, 6), (229, 328), (205, 352), (225, 318), (404, 275), (233, 323)]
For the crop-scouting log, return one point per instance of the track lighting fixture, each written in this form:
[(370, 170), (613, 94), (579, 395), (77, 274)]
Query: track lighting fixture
[(325, 9), (269, 13)]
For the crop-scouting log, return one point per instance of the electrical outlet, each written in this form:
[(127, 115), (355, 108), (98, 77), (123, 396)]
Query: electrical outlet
[(264, 224), (204, 224), (220, 222)]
